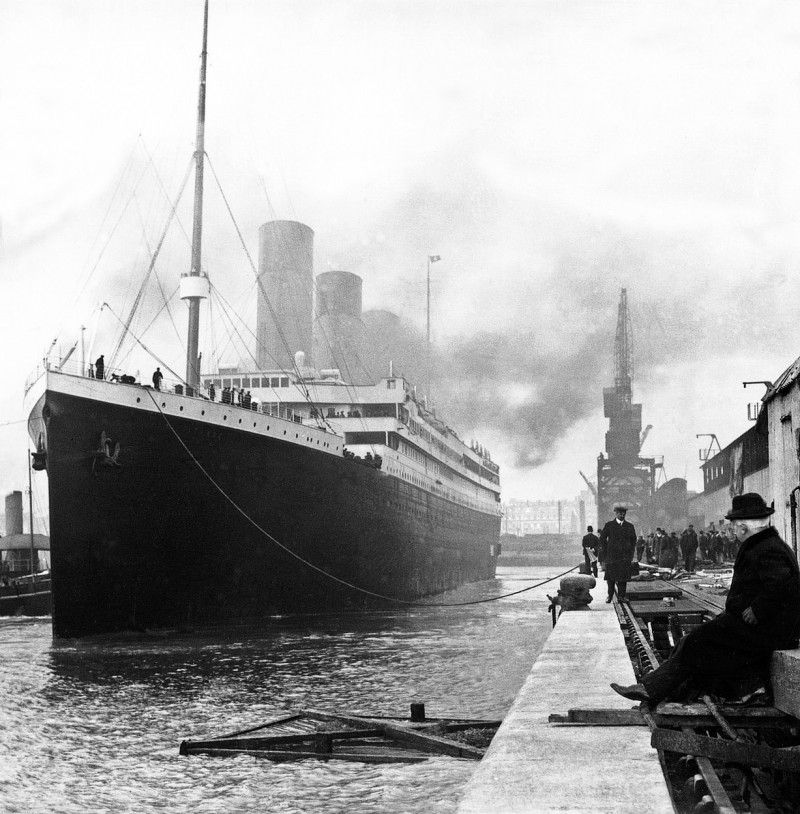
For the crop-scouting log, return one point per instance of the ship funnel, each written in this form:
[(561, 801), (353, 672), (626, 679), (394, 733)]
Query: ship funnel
[(285, 275), (14, 513), (339, 330)]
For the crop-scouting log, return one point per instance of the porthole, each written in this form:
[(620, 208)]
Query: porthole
[(138, 399), (181, 408), (163, 403), (224, 418), (202, 412), (240, 420), (254, 423)]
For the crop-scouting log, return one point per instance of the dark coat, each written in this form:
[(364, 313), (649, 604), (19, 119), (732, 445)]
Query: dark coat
[(617, 547), (590, 541), (766, 578), (717, 653)]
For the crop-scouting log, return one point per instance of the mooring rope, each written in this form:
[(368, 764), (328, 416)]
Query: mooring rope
[(321, 570)]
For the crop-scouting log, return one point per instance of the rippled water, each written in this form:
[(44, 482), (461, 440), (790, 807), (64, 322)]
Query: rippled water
[(94, 726)]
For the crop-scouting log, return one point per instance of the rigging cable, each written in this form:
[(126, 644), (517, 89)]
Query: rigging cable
[(317, 568), (135, 306)]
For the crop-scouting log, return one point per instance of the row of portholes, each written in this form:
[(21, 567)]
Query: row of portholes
[(418, 481), (308, 438)]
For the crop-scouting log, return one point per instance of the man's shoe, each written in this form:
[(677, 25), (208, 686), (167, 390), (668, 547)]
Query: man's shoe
[(608, 599), (635, 692)]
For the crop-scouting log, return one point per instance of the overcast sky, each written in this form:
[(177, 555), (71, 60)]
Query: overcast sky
[(551, 152)]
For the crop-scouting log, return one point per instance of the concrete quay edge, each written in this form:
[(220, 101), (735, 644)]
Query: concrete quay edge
[(533, 766)]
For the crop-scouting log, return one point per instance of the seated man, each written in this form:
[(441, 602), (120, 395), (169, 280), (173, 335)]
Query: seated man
[(762, 614)]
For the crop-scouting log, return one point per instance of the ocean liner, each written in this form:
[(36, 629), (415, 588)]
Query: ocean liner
[(240, 493)]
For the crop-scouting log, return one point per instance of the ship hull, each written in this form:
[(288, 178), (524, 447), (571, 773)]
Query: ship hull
[(26, 598), (200, 522)]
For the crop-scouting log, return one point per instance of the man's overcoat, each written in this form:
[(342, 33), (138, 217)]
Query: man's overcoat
[(617, 547), (766, 579)]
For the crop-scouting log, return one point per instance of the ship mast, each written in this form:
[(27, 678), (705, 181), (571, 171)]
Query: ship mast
[(194, 286)]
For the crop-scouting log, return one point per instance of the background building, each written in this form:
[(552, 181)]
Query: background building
[(521, 517)]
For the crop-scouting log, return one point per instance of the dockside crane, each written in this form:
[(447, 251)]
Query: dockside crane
[(591, 486), (623, 477)]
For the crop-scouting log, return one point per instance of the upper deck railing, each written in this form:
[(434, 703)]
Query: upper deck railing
[(166, 385)]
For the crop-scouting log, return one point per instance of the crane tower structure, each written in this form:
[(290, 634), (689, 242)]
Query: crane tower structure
[(623, 477)]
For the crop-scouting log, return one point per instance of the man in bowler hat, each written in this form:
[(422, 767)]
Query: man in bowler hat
[(762, 614), (617, 551), (590, 543)]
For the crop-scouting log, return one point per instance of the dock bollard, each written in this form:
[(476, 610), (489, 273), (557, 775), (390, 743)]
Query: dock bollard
[(573, 592), (417, 712)]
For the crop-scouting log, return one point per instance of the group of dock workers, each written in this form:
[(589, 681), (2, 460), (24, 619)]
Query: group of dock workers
[(668, 550), (762, 609)]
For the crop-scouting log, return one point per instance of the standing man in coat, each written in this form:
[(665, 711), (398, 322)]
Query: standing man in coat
[(762, 614), (590, 542), (617, 548), (690, 548)]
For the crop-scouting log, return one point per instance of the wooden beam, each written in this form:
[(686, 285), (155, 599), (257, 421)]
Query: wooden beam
[(265, 741), (433, 743), (407, 734), (379, 756), (749, 754), (673, 715), (600, 717)]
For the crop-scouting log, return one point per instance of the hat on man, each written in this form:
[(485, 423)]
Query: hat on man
[(622, 509), (749, 506)]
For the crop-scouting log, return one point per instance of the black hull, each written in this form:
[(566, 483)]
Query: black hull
[(26, 599), (153, 542)]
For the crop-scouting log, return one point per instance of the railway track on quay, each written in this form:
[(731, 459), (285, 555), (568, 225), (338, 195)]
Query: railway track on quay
[(725, 758)]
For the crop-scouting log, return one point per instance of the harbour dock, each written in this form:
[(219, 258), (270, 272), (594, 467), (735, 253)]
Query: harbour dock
[(533, 765)]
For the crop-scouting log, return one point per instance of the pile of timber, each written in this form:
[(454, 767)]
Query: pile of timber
[(311, 733)]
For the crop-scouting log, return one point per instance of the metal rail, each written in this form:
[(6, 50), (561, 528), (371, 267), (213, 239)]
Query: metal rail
[(705, 784)]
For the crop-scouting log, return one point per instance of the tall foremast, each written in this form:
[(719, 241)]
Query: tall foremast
[(194, 285)]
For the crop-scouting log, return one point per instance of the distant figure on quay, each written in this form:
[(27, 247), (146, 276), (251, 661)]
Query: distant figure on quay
[(590, 543), (100, 367), (157, 377), (762, 614), (617, 552)]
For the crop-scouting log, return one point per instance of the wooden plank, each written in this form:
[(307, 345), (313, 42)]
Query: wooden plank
[(668, 709), (265, 741), (716, 601), (651, 610), (715, 787), (433, 743), (282, 756), (749, 754), (407, 734), (600, 717), (784, 672), (647, 591), (677, 715), (273, 722)]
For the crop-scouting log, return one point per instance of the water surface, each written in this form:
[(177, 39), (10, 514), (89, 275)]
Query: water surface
[(95, 725)]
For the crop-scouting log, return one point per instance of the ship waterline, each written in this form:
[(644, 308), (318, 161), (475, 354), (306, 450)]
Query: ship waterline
[(168, 509)]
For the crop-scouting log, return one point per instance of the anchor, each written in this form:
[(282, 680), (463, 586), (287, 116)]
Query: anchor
[(106, 455)]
